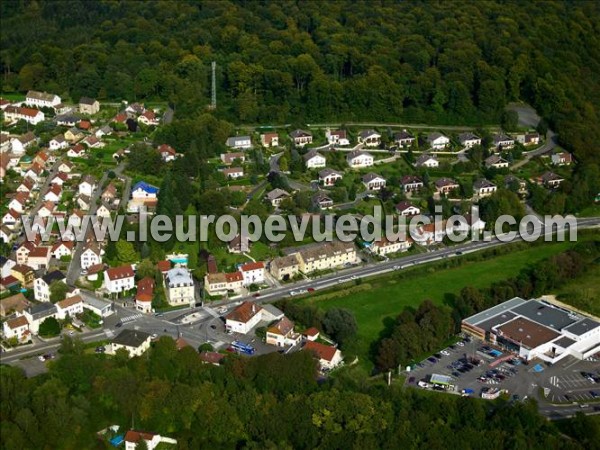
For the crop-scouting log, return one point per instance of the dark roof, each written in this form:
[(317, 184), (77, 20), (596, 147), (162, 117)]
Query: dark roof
[(86, 101), (582, 327), (545, 314), (131, 338), (56, 275), (499, 319), (40, 310), (564, 342)]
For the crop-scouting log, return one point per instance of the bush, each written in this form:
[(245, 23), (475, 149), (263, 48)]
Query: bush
[(49, 328)]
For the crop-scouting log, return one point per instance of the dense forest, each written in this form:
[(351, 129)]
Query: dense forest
[(292, 61), (269, 402)]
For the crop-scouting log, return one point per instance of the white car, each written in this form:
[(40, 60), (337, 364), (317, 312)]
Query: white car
[(41, 358), (445, 353), (460, 344)]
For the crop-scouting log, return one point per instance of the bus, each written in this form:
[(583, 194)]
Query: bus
[(243, 348)]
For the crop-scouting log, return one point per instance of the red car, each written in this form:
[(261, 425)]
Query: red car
[(256, 295), (311, 289)]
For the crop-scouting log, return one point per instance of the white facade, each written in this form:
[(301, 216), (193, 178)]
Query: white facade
[(90, 257), (360, 160), (119, 279), (42, 99), (180, 286), (315, 161), (253, 273)]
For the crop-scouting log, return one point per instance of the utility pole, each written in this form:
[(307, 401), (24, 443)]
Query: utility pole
[(213, 97)]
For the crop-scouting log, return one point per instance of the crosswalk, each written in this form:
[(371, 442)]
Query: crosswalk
[(131, 318), (554, 381)]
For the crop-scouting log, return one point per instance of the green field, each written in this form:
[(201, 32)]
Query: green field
[(584, 292), (387, 296)]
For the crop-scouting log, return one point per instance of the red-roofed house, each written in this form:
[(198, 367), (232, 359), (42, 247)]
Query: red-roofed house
[(39, 257), (253, 273), (167, 153), (312, 334), (119, 279), (144, 295), (213, 358), (133, 438), (329, 356), (282, 333), (148, 118), (164, 266), (16, 328), (63, 248), (243, 318)]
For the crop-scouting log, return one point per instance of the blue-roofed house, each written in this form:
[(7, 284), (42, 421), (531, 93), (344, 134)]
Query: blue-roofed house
[(144, 190)]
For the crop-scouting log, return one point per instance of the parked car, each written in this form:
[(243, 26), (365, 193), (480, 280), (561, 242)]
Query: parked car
[(445, 353), (432, 360)]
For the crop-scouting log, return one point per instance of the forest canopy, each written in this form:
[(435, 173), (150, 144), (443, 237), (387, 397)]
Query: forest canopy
[(291, 61)]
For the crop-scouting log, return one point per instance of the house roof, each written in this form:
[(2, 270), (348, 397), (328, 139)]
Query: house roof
[(252, 266), (44, 96), (410, 179), (131, 338), (463, 137), (40, 252), (404, 205), (136, 436), (233, 277), (312, 331), (444, 182), (86, 101), (17, 322), (179, 275), (404, 134), (323, 351), (164, 265), (277, 193), (424, 158), (357, 153), (145, 289), (299, 133), (41, 310), (435, 135), (16, 302), (70, 301), (527, 333), (329, 172), (370, 177), (282, 327), (118, 273), (166, 148), (211, 357), (232, 170), (311, 154), (285, 261), (245, 312), (366, 133), (55, 275), (483, 183), (145, 187)]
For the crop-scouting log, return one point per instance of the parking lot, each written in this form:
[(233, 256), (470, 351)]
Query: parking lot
[(473, 365)]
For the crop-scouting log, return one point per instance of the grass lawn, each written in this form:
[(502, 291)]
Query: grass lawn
[(590, 211), (584, 292), (13, 96), (387, 296), (261, 251)]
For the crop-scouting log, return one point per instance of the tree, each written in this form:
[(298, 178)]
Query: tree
[(283, 164), (145, 268), (340, 324), (125, 251), (510, 120), (58, 291), (49, 328)]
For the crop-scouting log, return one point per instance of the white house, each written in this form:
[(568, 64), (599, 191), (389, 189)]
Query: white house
[(373, 182), (314, 160), (300, 138), (405, 208), (58, 143), (243, 318), (233, 172), (88, 106), (483, 188), (41, 286), (39, 257), (329, 357), (337, 137), (119, 279), (133, 438), (17, 327), (90, 256), (253, 273), (404, 138), (239, 142), (385, 247), (282, 334), (135, 342), (276, 196), (468, 140), (496, 162), (369, 138), (269, 140), (562, 159), (437, 141), (87, 185), (358, 159), (53, 194), (502, 141), (427, 160), (180, 286), (143, 190), (36, 314), (70, 306), (11, 219), (42, 99), (62, 248), (30, 115), (329, 177), (144, 295)]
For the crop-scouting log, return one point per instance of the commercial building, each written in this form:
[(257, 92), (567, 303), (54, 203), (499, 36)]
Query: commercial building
[(536, 329)]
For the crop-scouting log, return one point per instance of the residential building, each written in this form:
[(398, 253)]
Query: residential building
[(358, 159), (502, 141), (39, 257), (230, 158), (119, 279), (328, 177), (239, 244), (383, 246), (314, 160), (369, 138), (70, 306), (16, 328), (167, 153), (98, 306), (14, 304), (411, 183), (300, 138), (142, 190), (373, 181), (29, 115), (276, 196), (6, 265), (285, 267), (468, 140), (133, 438), (42, 99), (144, 295), (321, 200), (404, 138), (325, 256), (77, 151), (62, 249), (149, 118), (19, 202), (223, 283), (405, 208), (135, 342), (550, 180), (36, 314), (180, 287), (445, 185), (74, 135), (496, 162), (329, 357), (337, 137), (484, 188), (109, 194), (281, 334), (529, 139), (428, 161), (53, 194), (239, 142), (243, 318), (11, 219), (269, 140), (58, 143), (89, 106), (233, 172), (511, 182), (562, 159), (437, 141), (87, 185), (41, 286), (253, 273)]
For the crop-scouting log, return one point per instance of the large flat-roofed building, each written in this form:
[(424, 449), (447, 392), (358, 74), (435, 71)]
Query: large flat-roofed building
[(536, 329)]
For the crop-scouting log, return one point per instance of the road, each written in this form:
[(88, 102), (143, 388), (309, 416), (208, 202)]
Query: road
[(416, 126)]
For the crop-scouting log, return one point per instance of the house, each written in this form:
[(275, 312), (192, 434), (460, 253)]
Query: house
[(67, 120), (337, 137), (14, 304), (429, 233), (87, 185), (239, 142), (76, 218), (59, 179), (411, 183), (119, 279), (53, 194), (213, 358), (85, 125), (135, 342), (62, 249), (484, 188), (562, 159), (9, 284), (77, 151), (6, 234), (529, 138), (437, 141), (42, 99), (92, 142), (253, 273), (29, 115), (328, 177), (276, 196), (325, 256), (65, 167), (358, 159), (180, 287), (16, 328), (314, 160), (502, 141), (103, 211), (512, 182), (383, 246), (11, 219), (135, 109), (329, 357), (58, 143), (89, 106), (281, 334), (143, 190), (23, 142), (109, 193), (243, 318), (373, 182), (90, 256), (35, 172), (70, 306), (269, 140), (369, 138), (445, 185), (222, 283), (27, 185), (167, 153), (550, 180), (41, 286), (496, 162), (144, 295), (39, 257), (321, 200), (149, 118), (84, 202), (300, 138), (98, 306), (233, 172), (427, 160), (404, 139), (74, 134), (468, 140), (239, 244), (103, 131), (4, 143), (407, 209), (41, 158), (19, 202), (229, 158), (36, 314), (6, 264), (133, 438), (285, 267), (23, 251)]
